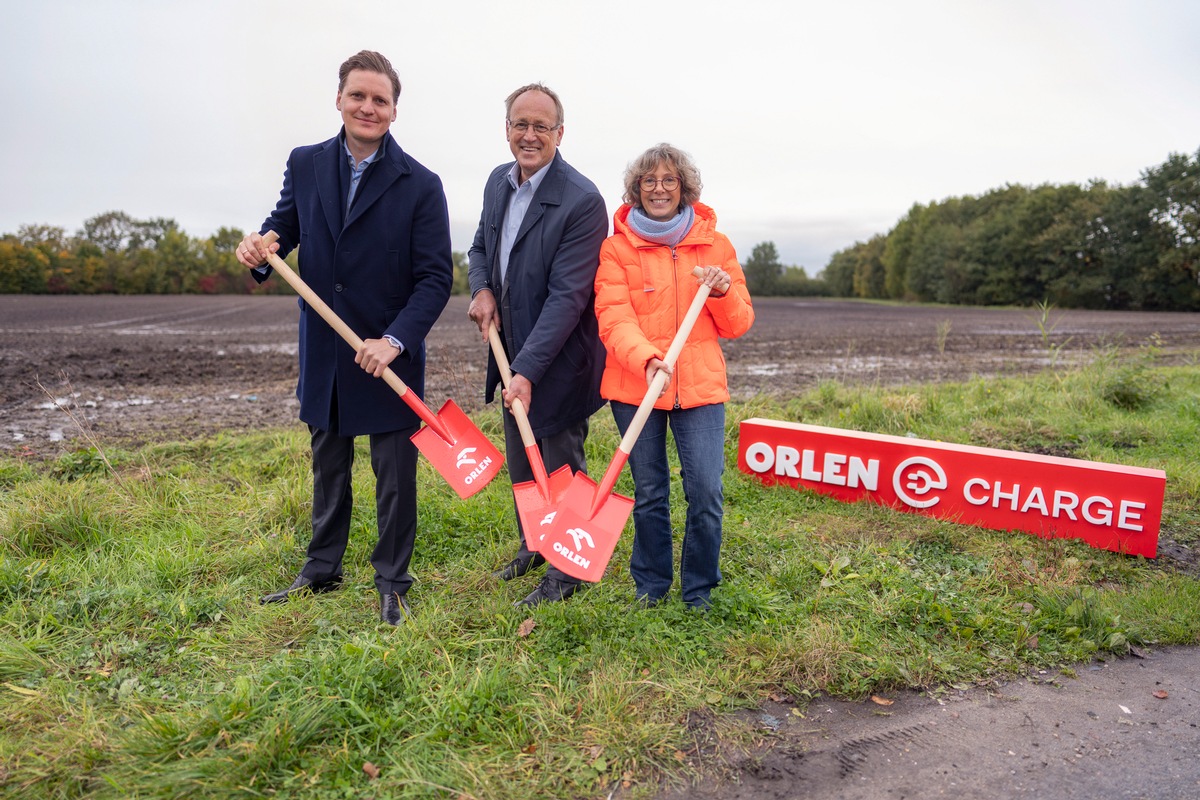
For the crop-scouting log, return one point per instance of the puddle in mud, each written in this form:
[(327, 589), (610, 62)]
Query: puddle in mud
[(869, 364), (289, 348), (44, 422)]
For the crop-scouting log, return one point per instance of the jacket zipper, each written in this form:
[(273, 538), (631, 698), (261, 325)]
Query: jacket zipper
[(675, 277)]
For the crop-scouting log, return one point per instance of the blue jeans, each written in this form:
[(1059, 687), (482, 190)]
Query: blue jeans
[(700, 441)]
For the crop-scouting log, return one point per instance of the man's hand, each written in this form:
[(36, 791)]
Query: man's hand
[(519, 388), (483, 311), (375, 356), (252, 252)]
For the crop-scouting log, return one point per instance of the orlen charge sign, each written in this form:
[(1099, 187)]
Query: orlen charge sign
[(1111, 507)]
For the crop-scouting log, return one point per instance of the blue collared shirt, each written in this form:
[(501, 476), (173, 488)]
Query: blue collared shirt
[(357, 169), (518, 204)]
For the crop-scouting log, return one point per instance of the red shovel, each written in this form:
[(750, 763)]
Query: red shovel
[(590, 518), (537, 500), (457, 449)]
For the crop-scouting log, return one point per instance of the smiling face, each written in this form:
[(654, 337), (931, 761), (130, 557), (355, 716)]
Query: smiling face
[(368, 110), (533, 150), (660, 204)]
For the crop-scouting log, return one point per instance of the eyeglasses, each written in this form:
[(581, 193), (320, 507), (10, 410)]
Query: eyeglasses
[(669, 183), (523, 127)]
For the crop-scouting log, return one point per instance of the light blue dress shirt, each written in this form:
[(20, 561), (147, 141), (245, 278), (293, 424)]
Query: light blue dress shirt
[(518, 204)]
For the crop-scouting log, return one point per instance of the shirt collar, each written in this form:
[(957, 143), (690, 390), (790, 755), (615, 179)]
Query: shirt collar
[(535, 180), (371, 159)]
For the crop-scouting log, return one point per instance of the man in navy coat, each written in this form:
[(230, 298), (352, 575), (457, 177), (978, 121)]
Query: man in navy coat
[(374, 238), (532, 272)]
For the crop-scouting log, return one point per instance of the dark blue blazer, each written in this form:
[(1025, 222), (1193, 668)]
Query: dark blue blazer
[(547, 300), (385, 269)]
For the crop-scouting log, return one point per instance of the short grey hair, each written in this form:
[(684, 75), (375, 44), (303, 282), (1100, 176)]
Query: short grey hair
[(643, 165), (534, 87)]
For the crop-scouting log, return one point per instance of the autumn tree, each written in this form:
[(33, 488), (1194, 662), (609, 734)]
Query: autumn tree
[(763, 269)]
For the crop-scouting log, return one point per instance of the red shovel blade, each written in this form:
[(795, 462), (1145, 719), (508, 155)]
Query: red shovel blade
[(468, 462), (536, 509), (581, 546)]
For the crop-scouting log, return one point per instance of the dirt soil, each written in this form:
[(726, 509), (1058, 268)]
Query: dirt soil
[(159, 367), (137, 369)]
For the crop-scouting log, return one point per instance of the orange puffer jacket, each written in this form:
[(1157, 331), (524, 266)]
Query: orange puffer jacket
[(643, 291)]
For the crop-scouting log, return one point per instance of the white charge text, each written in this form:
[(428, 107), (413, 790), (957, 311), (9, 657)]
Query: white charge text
[(1096, 509)]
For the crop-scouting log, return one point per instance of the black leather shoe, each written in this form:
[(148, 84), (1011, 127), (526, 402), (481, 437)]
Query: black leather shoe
[(550, 590), (394, 608), (519, 566), (302, 584)]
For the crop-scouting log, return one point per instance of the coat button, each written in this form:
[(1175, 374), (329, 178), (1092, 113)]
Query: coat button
[(337, 287)]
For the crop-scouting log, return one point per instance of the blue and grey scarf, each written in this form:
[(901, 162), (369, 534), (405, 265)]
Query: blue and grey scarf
[(669, 233)]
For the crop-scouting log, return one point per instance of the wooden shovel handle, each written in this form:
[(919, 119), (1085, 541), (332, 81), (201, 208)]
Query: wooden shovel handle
[(518, 408), (390, 378), (532, 454), (660, 380)]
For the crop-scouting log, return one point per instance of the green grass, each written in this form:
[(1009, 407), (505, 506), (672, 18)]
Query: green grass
[(136, 662)]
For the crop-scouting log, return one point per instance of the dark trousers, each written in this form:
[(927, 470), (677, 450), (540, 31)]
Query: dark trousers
[(562, 448), (394, 461)]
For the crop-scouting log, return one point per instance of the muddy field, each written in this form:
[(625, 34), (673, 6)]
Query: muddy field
[(146, 368)]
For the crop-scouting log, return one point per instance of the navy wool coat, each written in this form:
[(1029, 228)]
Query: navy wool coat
[(547, 300), (385, 270)]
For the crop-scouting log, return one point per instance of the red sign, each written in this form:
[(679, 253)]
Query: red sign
[(1108, 506)]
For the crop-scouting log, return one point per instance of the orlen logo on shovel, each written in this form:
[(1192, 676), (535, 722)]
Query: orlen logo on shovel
[(578, 537), (463, 459), (1108, 506)]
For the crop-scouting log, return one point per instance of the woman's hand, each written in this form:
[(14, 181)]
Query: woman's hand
[(717, 279), (653, 367)]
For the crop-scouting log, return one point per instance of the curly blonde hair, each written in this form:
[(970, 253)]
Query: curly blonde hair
[(689, 175)]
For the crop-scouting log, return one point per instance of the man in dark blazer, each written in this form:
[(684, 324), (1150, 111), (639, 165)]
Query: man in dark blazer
[(532, 272), (374, 238)]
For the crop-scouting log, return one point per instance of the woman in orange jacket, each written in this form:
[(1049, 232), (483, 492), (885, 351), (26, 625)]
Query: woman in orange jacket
[(643, 289)]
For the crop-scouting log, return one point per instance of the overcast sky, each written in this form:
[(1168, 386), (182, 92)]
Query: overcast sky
[(814, 124)]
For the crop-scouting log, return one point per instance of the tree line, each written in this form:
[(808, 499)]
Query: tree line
[(113, 253), (1093, 246), (116, 254)]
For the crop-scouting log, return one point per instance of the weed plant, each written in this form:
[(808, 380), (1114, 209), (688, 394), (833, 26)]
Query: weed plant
[(135, 660)]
